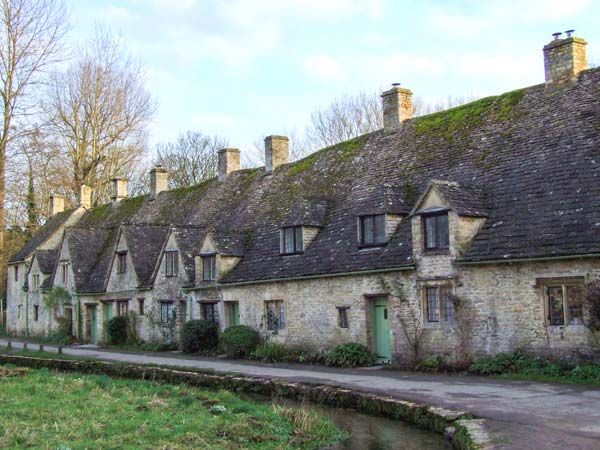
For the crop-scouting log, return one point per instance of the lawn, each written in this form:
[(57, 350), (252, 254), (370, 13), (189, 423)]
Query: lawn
[(43, 409)]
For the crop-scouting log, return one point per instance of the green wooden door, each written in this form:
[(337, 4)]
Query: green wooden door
[(234, 313), (93, 325), (381, 330)]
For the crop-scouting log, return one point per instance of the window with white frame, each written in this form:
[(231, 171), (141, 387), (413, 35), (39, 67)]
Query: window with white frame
[(171, 263), (438, 304), (564, 302)]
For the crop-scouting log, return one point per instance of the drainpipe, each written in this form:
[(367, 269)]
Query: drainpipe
[(27, 313)]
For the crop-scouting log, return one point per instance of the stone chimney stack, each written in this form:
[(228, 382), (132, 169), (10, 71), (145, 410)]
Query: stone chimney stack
[(159, 180), (397, 106), (57, 204), (564, 58), (85, 196), (229, 161), (119, 186), (276, 152)]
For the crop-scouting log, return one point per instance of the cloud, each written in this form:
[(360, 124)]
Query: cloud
[(323, 67)]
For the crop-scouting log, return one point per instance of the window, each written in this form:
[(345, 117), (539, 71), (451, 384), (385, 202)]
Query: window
[(64, 272), (121, 262), (141, 306), (171, 263), (209, 263), (16, 273), (436, 232), (19, 311), (438, 304), (275, 315), (122, 307), (343, 316), (182, 311), (565, 304), (36, 312), (35, 282), (210, 312), (166, 312), (372, 230), (292, 242)]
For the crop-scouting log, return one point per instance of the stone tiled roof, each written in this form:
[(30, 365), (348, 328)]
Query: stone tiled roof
[(86, 246), (188, 241), (466, 201), (52, 225), (527, 160), (145, 243), (46, 260)]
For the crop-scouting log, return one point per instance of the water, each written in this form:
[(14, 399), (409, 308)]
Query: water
[(371, 432)]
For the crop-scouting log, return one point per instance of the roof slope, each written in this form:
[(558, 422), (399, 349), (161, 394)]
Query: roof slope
[(46, 260), (145, 243), (530, 158), (85, 247)]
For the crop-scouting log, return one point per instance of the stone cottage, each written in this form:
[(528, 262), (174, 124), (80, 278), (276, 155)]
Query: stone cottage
[(472, 230)]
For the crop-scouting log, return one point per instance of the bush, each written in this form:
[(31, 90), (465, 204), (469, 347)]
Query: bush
[(199, 336), (272, 352), (239, 341), (116, 330), (431, 364), (351, 354)]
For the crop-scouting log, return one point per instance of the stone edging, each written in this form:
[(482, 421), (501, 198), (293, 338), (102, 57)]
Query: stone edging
[(465, 432)]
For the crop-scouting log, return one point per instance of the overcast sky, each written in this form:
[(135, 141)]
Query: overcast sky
[(246, 68)]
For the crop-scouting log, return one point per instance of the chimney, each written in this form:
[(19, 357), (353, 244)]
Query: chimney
[(276, 152), (119, 189), (229, 161), (397, 106), (159, 180), (564, 58), (85, 196), (57, 204)]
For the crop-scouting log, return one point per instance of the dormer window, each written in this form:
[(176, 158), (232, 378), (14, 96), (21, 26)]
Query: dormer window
[(291, 240), (209, 267), (64, 272), (171, 263), (122, 262), (372, 231), (35, 282), (435, 231)]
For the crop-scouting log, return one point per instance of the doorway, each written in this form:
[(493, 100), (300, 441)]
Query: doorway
[(382, 345), (93, 315)]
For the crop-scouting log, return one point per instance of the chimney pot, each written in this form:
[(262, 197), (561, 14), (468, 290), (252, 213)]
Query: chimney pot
[(276, 152), (159, 180), (397, 106), (229, 161), (119, 189), (57, 204), (85, 196), (564, 59)]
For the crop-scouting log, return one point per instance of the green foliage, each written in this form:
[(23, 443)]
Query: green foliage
[(57, 296), (272, 352), (344, 150), (199, 336), (351, 354), (239, 341), (497, 364), (592, 301), (116, 330), (430, 364)]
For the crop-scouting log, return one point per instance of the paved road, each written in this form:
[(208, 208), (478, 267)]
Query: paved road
[(520, 415)]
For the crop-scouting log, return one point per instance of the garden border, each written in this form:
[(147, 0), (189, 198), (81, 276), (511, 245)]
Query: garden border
[(461, 428)]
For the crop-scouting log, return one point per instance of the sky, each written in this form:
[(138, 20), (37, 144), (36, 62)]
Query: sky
[(248, 68)]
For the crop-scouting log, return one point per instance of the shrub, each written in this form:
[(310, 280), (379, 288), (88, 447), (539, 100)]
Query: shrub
[(116, 330), (239, 341), (351, 354), (497, 364), (272, 352), (199, 336), (430, 364)]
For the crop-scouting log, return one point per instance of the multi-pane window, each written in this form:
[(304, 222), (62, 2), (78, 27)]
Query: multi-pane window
[(171, 263), (121, 262), (438, 304), (122, 307), (166, 312), (565, 304), (35, 282), (343, 316), (210, 312), (436, 233), (275, 315), (36, 312), (292, 240), (141, 306), (209, 267), (372, 230), (64, 272)]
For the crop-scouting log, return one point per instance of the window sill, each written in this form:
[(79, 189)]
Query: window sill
[(291, 254), (445, 252), (371, 246)]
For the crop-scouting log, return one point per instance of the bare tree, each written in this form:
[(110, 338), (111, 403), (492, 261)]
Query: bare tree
[(191, 159), (31, 35), (99, 109)]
